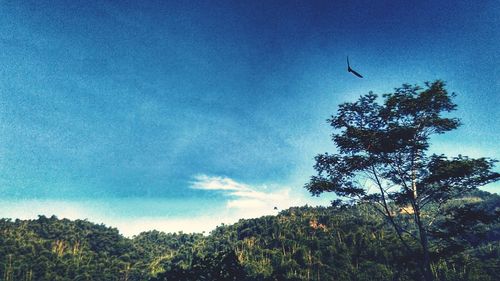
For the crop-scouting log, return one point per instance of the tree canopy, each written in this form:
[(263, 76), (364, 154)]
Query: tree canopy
[(382, 160)]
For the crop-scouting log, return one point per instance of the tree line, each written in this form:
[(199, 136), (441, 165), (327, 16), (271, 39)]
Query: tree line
[(340, 242)]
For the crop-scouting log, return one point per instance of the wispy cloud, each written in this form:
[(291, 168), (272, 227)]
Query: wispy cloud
[(217, 183), (253, 200)]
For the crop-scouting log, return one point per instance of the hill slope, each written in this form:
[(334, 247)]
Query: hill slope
[(305, 243)]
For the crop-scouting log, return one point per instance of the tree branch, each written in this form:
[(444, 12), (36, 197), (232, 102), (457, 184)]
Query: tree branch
[(388, 214)]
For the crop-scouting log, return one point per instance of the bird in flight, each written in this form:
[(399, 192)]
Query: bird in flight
[(349, 69)]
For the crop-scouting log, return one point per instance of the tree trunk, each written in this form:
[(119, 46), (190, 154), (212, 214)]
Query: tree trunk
[(426, 259)]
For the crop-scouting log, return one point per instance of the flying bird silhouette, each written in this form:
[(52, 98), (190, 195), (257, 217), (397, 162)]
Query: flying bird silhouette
[(349, 69)]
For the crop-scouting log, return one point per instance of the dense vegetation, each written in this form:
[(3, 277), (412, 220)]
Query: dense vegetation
[(340, 242)]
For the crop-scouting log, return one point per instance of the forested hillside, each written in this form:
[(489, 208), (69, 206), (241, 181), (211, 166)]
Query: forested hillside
[(340, 242)]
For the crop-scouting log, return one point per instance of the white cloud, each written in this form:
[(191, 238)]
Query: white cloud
[(253, 200), (217, 183), (246, 201)]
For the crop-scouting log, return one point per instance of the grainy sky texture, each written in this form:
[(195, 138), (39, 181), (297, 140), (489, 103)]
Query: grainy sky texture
[(180, 115)]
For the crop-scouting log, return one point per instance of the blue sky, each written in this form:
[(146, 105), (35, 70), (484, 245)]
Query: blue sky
[(116, 111)]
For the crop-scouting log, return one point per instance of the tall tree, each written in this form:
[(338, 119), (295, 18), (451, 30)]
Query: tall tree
[(382, 160)]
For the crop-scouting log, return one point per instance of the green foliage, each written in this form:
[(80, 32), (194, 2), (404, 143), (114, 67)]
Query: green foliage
[(382, 159), (340, 242)]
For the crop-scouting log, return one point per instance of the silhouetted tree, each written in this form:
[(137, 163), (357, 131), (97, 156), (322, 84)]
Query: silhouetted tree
[(382, 159)]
